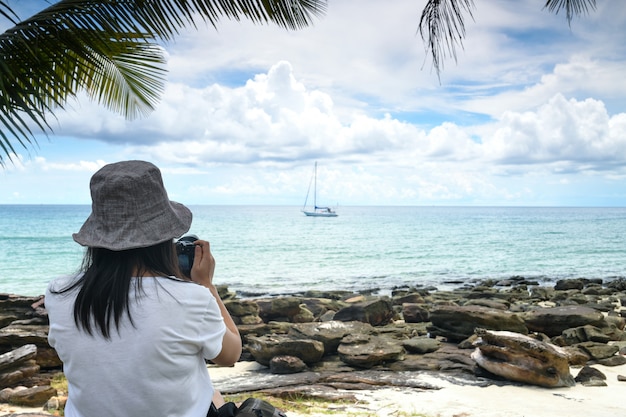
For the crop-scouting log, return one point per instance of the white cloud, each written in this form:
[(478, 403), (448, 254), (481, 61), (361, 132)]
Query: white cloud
[(531, 109), (561, 130)]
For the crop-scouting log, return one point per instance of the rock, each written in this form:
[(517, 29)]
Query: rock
[(304, 316), (614, 320), (321, 306), (575, 356), (281, 308), (6, 319), (448, 358), (363, 351), (14, 336), (329, 295), (541, 293), (489, 303), (553, 321), (240, 308), (591, 377), (459, 322), (415, 313), (17, 356), (421, 345), (248, 320), (598, 351), (264, 348), (32, 397), (55, 403), (284, 364), (18, 365), (377, 312), (413, 298), (618, 284), (22, 307), (615, 360), (586, 333), (522, 358), (327, 316), (14, 376), (329, 333), (569, 284)]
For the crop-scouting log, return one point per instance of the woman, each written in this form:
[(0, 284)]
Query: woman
[(133, 333)]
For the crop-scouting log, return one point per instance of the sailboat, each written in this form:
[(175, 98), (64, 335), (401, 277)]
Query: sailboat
[(317, 211)]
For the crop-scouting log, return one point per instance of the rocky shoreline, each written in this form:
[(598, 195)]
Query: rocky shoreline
[(329, 344)]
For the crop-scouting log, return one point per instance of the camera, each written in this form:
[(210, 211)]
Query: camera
[(185, 249)]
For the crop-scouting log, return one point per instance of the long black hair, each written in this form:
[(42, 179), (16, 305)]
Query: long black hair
[(104, 286)]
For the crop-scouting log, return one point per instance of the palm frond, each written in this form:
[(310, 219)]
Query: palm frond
[(109, 49), (442, 27), (572, 7), (442, 24)]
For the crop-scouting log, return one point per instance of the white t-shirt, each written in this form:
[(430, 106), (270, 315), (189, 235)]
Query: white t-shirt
[(155, 368)]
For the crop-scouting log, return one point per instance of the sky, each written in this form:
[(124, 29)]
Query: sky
[(531, 113)]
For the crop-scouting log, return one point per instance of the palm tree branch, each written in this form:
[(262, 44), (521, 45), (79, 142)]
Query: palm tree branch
[(109, 50), (572, 7), (442, 24), (442, 27)]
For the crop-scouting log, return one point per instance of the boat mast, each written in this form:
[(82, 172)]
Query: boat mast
[(315, 189)]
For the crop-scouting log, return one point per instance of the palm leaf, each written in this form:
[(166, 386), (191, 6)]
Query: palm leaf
[(108, 49), (442, 27), (572, 7), (442, 24)]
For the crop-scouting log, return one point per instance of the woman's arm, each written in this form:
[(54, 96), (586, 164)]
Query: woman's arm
[(202, 272)]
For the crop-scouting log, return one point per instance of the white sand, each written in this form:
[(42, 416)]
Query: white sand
[(470, 401), (464, 401)]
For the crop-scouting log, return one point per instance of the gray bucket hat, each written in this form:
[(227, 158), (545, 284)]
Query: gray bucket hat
[(130, 209)]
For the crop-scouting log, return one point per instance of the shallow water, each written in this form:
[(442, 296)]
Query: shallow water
[(262, 249)]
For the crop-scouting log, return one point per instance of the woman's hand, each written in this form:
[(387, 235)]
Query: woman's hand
[(203, 266)]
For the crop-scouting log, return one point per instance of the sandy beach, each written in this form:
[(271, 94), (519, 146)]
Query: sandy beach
[(453, 400)]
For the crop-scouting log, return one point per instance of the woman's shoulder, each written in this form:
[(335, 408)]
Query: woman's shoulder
[(189, 289), (62, 283)]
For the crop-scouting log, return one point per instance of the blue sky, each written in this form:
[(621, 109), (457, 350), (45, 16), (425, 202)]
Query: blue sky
[(532, 113)]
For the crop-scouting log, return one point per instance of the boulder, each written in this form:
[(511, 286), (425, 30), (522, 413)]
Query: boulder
[(421, 345), (415, 313), (329, 333), (32, 397), (320, 306), (569, 284), (459, 322), (280, 308), (552, 321), (597, 351), (591, 377), (240, 308), (23, 308), (497, 304), (365, 351), (377, 312), (17, 335), (284, 364), (412, 298), (18, 365), (522, 358), (304, 316), (586, 333), (264, 348)]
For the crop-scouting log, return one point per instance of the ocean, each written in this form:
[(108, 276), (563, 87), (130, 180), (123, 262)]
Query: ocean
[(272, 250)]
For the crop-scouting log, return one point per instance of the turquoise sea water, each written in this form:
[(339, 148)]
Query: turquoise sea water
[(274, 250)]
